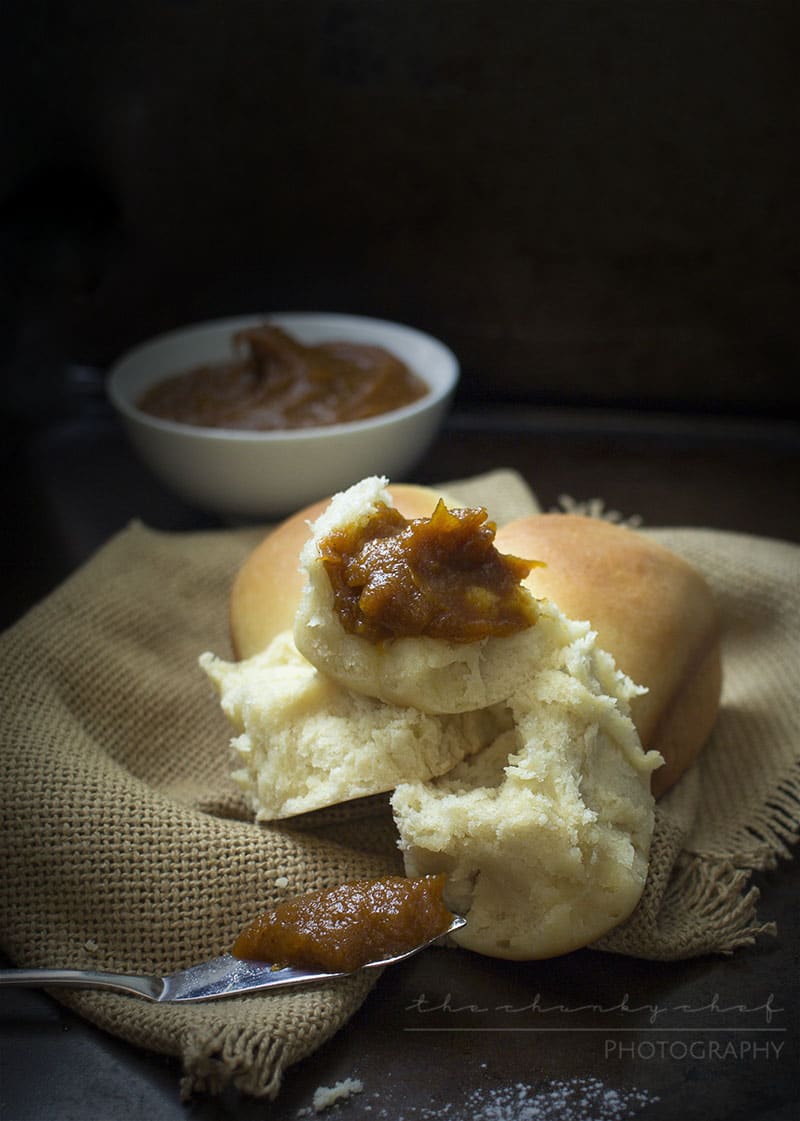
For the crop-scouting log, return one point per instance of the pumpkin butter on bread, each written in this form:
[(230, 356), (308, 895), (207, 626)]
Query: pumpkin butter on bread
[(518, 692)]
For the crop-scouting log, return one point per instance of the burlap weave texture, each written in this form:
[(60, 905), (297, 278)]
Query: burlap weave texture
[(126, 846)]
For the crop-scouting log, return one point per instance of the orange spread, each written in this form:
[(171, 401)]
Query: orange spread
[(279, 384), (344, 927), (440, 576)]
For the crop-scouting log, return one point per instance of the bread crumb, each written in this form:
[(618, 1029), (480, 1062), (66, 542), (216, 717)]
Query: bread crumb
[(326, 1096), (281, 882)]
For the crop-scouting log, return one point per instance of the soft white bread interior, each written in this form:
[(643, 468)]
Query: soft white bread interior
[(304, 742), (652, 611), (544, 835)]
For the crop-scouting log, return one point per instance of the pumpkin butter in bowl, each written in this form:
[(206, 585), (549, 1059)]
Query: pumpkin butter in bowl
[(391, 641), (274, 382), (253, 417)]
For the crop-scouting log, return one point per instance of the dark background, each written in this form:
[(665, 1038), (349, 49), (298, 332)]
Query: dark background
[(593, 203), (596, 204)]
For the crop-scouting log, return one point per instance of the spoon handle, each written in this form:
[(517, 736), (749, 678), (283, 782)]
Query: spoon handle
[(148, 987)]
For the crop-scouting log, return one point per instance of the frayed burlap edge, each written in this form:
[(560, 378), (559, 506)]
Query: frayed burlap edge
[(223, 1045), (250, 1061), (713, 890)]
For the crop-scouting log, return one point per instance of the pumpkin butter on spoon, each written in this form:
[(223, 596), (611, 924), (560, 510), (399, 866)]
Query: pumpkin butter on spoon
[(419, 663), (342, 928)]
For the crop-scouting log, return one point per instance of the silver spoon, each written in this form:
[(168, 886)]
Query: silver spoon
[(210, 980)]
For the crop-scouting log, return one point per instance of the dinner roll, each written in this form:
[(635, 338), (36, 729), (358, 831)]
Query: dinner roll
[(516, 764), (651, 610)]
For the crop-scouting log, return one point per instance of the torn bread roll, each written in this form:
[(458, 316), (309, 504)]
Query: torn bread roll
[(544, 835), (535, 800), (651, 610), (325, 716), (304, 739)]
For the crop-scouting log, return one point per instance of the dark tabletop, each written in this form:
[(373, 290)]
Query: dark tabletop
[(449, 1033)]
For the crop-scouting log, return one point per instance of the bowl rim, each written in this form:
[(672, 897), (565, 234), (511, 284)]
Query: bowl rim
[(436, 393)]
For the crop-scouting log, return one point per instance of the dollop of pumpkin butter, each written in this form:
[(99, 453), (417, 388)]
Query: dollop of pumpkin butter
[(440, 576), (339, 929)]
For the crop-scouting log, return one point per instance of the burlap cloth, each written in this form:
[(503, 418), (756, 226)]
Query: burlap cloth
[(126, 845)]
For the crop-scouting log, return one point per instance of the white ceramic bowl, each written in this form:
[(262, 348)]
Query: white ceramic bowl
[(261, 475)]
